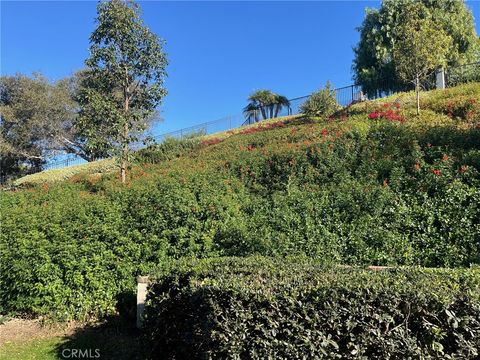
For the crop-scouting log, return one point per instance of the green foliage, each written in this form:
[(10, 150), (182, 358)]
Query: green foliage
[(170, 148), (126, 74), (321, 103), (258, 308), (374, 65), (36, 121), (463, 74), (265, 103), (421, 48), (348, 190)]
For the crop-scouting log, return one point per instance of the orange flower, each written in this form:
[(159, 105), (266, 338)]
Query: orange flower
[(445, 157)]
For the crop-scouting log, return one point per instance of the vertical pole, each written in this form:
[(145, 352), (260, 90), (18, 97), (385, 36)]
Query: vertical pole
[(142, 285), (440, 83)]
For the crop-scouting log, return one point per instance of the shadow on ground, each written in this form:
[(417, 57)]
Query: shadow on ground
[(115, 338)]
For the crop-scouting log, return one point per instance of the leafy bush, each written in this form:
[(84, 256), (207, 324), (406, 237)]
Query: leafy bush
[(358, 192), (463, 74), (321, 103), (170, 148), (277, 309)]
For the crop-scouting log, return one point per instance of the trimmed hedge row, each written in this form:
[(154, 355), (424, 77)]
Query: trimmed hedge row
[(258, 308)]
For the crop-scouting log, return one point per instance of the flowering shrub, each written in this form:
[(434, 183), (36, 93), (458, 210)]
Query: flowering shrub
[(356, 192), (389, 111), (461, 103)]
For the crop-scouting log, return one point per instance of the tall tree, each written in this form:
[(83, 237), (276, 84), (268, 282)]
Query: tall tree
[(374, 67), (422, 47), (266, 104), (125, 81), (36, 121)]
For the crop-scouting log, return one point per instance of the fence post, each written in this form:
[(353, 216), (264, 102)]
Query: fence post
[(142, 285), (440, 80)]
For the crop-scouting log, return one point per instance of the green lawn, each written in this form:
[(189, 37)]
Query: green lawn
[(40, 349), (110, 342)]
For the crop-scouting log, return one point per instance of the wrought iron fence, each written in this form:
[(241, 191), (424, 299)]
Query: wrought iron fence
[(345, 96)]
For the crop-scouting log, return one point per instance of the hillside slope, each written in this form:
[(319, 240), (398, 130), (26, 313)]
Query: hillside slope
[(375, 184)]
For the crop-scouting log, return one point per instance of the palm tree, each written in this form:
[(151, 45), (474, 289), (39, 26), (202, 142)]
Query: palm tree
[(264, 103)]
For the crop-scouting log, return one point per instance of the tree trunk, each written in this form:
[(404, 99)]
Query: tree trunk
[(263, 111), (417, 90), (277, 110), (123, 164)]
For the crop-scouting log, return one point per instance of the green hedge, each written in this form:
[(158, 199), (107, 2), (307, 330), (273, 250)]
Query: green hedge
[(256, 308)]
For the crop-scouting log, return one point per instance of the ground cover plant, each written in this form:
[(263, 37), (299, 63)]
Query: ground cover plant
[(353, 189), (257, 308)]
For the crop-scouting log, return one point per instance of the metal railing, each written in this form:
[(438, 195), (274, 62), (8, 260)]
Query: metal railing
[(345, 96)]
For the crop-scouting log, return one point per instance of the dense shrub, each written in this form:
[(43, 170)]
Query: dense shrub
[(170, 148), (256, 308), (321, 103), (463, 74), (362, 191)]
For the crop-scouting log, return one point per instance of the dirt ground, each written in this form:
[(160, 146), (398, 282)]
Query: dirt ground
[(24, 330)]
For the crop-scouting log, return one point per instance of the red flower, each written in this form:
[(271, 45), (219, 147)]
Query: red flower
[(324, 132), (436, 172), (463, 169), (445, 157), (373, 115)]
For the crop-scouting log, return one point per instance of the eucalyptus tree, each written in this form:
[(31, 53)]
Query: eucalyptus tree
[(264, 104), (125, 81)]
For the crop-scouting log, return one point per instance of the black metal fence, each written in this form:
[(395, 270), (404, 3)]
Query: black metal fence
[(345, 96)]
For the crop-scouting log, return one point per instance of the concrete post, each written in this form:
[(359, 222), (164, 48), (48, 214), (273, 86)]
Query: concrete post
[(440, 83), (142, 285)]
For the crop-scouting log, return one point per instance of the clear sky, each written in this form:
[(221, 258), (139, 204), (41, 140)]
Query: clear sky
[(219, 52)]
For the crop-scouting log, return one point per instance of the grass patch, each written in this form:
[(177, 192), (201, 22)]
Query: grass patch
[(115, 339), (56, 175)]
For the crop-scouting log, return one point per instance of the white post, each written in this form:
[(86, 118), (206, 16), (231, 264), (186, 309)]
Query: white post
[(440, 83), (142, 285)]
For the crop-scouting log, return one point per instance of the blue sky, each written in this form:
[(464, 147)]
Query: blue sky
[(219, 52)]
